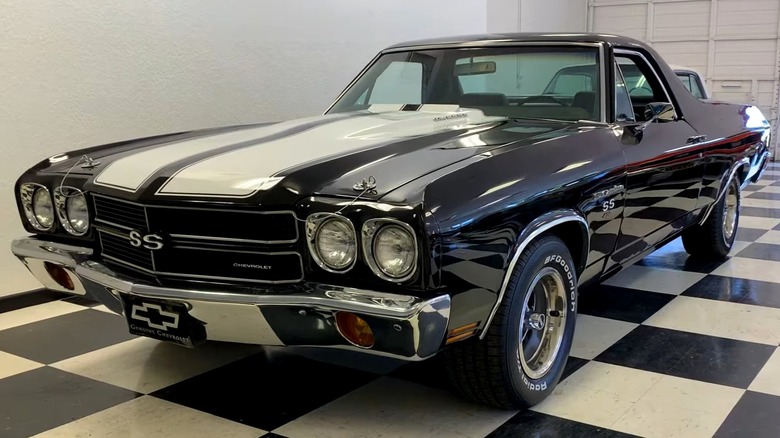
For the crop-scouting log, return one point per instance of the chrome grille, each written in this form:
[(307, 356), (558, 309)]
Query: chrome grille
[(117, 248), (114, 212), (201, 243)]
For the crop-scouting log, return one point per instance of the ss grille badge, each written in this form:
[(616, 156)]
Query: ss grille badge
[(149, 241)]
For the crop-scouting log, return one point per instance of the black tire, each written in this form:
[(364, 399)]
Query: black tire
[(711, 240), (489, 370)]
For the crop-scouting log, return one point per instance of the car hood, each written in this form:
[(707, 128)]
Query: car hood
[(322, 155)]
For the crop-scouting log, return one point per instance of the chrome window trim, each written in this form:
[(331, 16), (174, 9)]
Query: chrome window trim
[(487, 44), (27, 193), (369, 230), (619, 51), (212, 238), (618, 71), (564, 216), (61, 196), (311, 237)]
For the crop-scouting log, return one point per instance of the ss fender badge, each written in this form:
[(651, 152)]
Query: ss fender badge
[(608, 192), (149, 241)]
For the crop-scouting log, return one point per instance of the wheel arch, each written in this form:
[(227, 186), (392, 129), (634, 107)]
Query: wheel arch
[(568, 225), (740, 170)]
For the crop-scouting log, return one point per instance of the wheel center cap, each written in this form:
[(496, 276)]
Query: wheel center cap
[(536, 321)]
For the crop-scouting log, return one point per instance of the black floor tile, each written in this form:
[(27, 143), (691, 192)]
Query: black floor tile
[(620, 303), (27, 299), (736, 290), (572, 365), (535, 424), (431, 372), (45, 398), (689, 355), (266, 391), (760, 212), (749, 234), (763, 251), (272, 435), (756, 415), (673, 256), (54, 339), (764, 195), (82, 301)]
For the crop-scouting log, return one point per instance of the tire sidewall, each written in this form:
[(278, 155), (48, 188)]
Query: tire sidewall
[(554, 254)]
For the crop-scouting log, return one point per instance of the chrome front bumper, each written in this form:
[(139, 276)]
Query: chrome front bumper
[(405, 327)]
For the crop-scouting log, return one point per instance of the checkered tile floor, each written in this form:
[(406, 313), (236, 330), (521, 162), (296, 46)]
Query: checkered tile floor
[(668, 348)]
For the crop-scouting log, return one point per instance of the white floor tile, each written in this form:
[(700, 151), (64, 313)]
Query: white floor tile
[(760, 203), (768, 380), (593, 335), (720, 318), (770, 189), (738, 246), (765, 182), (40, 312), (751, 269), (761, 223), (391, 408), (772, 172), (666, 281), (770, 237), (10, 365), (145, 365), (598, 393), (152, 417), (676, 407), (103, 308)]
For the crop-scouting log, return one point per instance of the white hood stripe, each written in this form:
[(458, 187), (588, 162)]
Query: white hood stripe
[(131, 172)]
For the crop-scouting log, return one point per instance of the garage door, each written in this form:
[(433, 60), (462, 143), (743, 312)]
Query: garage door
[(734, 44)]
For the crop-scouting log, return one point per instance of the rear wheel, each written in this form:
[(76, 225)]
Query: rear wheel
[(715, 237), (525, 349)]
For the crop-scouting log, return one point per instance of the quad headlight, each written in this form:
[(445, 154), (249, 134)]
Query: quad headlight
[(37, 205), (332, 241), (72, 210), (390, 249)]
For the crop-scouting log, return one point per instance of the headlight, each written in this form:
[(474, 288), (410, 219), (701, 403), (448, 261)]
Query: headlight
[(332, 241), (390, 248), (37, 206), (72, 210)]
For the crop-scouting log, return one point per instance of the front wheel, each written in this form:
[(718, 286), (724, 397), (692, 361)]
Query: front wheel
[(715, 237), (525, 349)]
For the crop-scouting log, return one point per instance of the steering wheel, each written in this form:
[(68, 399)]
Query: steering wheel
[(542, 99)]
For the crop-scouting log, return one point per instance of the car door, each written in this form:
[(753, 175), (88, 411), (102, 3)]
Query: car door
[(665, 169)]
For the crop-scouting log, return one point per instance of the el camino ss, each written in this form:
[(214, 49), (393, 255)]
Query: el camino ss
[(453, 200)]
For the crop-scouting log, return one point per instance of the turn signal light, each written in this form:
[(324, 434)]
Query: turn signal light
[(462, 332), (355, 329), (60, 275)]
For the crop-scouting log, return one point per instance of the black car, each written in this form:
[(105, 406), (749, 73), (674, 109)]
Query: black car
[(445, 203)]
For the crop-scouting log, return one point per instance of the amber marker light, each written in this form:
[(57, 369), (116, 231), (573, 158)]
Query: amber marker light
[(60, 275), (462, 332), (355, 329)]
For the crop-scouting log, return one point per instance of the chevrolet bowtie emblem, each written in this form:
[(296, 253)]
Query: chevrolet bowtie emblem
[(155, 317)]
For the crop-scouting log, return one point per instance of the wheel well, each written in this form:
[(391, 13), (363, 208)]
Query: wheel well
[(573, 236)]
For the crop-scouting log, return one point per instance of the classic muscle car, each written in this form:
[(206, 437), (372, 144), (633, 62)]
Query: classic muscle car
[(443, 204)]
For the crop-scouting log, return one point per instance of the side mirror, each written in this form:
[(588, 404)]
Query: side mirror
[(658, 111)]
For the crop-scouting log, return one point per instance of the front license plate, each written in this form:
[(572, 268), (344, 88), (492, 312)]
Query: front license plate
[(164, 321)]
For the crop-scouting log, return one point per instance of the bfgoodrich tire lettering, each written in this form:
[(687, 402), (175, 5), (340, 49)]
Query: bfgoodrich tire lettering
[(492, 370)]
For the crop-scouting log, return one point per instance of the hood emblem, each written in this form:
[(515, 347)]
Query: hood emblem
[(367, 185), (89, 163)]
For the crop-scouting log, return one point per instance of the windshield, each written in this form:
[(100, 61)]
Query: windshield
[(517, 82)]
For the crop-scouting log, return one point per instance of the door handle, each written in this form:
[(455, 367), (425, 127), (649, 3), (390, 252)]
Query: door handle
[(696, 139)]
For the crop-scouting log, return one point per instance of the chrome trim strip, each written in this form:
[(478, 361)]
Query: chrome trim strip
[(724, 188), (232, 239), (113, 224), (620, 51), (540, 226), (369, 230), (603, 83)]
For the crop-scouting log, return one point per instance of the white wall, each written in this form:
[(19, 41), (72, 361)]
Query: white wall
[(537, 15), (85, 72)]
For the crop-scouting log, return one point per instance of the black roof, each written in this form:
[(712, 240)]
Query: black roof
[(522, 38)]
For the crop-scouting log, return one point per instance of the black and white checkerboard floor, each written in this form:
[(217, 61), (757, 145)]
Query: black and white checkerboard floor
[(668, 348)]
